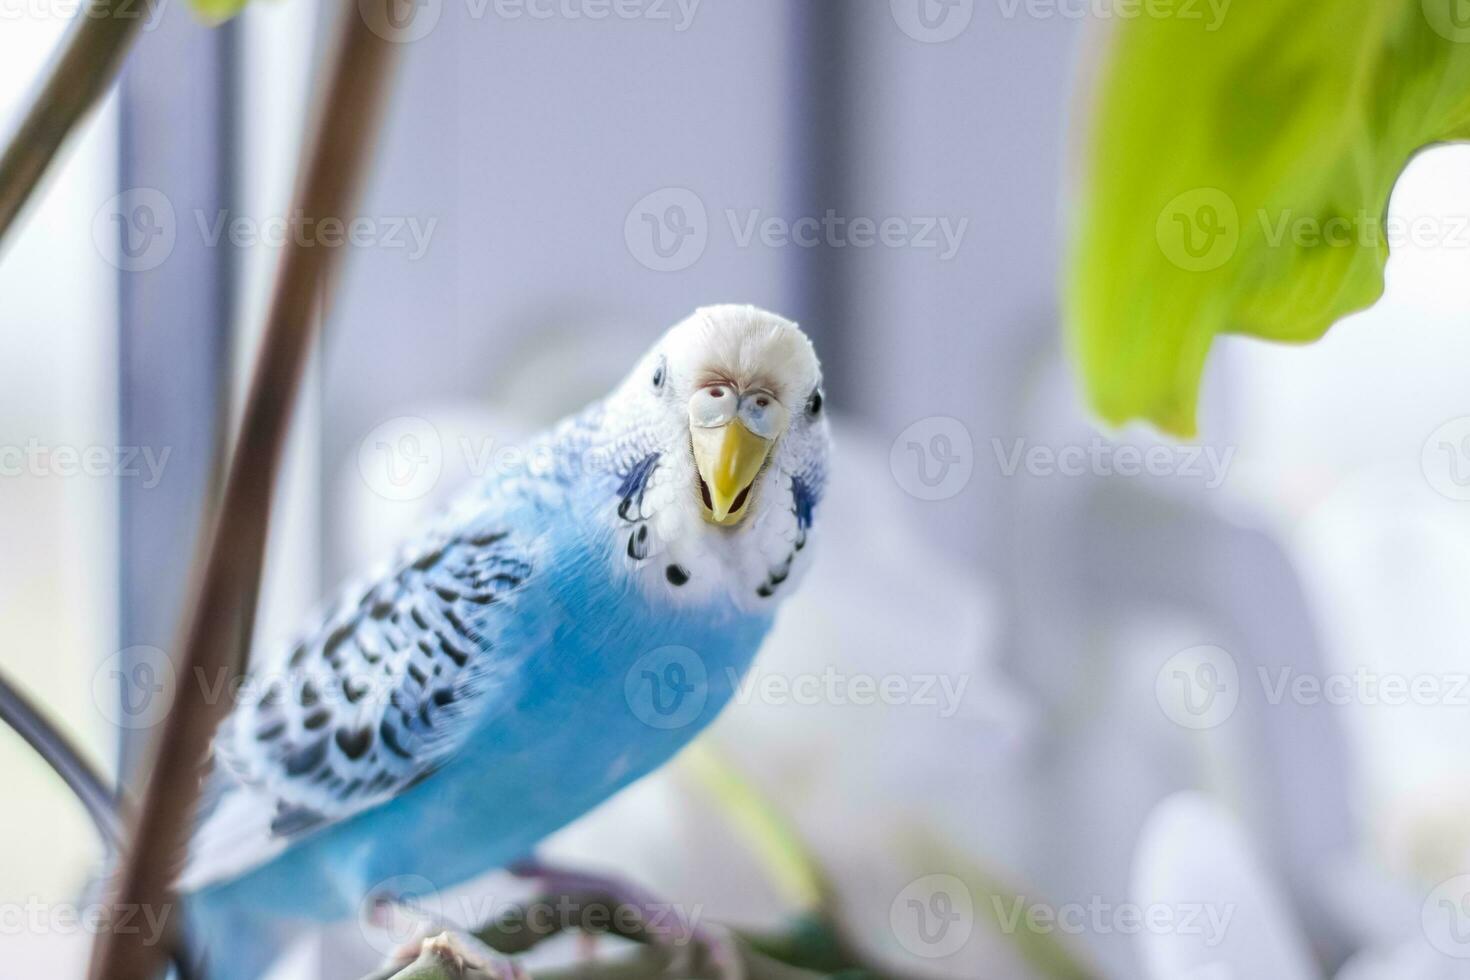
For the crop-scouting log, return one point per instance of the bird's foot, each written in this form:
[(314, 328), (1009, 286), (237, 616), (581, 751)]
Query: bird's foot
[(597, 903), (436, 939), (457, 954)]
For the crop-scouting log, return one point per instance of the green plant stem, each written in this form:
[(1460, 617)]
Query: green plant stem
[(83, 69)]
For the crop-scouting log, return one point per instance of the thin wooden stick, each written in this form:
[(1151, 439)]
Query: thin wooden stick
[(219, 622), (65, 759), (81, 72)]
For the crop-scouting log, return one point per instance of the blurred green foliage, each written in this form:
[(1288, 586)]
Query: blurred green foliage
[(217, 10), (1238, 163)]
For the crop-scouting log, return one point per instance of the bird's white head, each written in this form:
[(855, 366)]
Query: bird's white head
[(729, 406)]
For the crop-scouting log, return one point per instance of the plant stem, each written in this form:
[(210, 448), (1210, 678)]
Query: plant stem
[(82, 71), (219, 622), (85, 782)]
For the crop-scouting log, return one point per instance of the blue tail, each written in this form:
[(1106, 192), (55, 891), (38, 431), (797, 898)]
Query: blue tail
[(227, 944)]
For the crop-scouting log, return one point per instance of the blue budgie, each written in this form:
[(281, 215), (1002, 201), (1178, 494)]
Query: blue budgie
[(560, 632)]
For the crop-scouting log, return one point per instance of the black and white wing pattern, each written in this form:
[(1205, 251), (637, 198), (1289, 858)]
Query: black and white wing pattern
[(368, 703)]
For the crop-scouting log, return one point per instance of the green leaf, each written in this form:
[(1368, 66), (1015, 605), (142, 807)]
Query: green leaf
[(217, 10), (1238, 168)]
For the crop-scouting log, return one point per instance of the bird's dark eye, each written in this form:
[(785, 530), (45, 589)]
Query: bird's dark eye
[(658, 374), (717, 392), (814, 403)]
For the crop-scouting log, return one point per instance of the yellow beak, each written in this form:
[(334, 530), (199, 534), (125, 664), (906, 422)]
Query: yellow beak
[(729, 458)]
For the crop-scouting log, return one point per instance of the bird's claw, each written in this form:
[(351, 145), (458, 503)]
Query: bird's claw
[(467, 956), (662, 922)]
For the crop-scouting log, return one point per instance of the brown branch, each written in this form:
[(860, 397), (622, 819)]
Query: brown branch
[(219, 623), (81, 72)]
